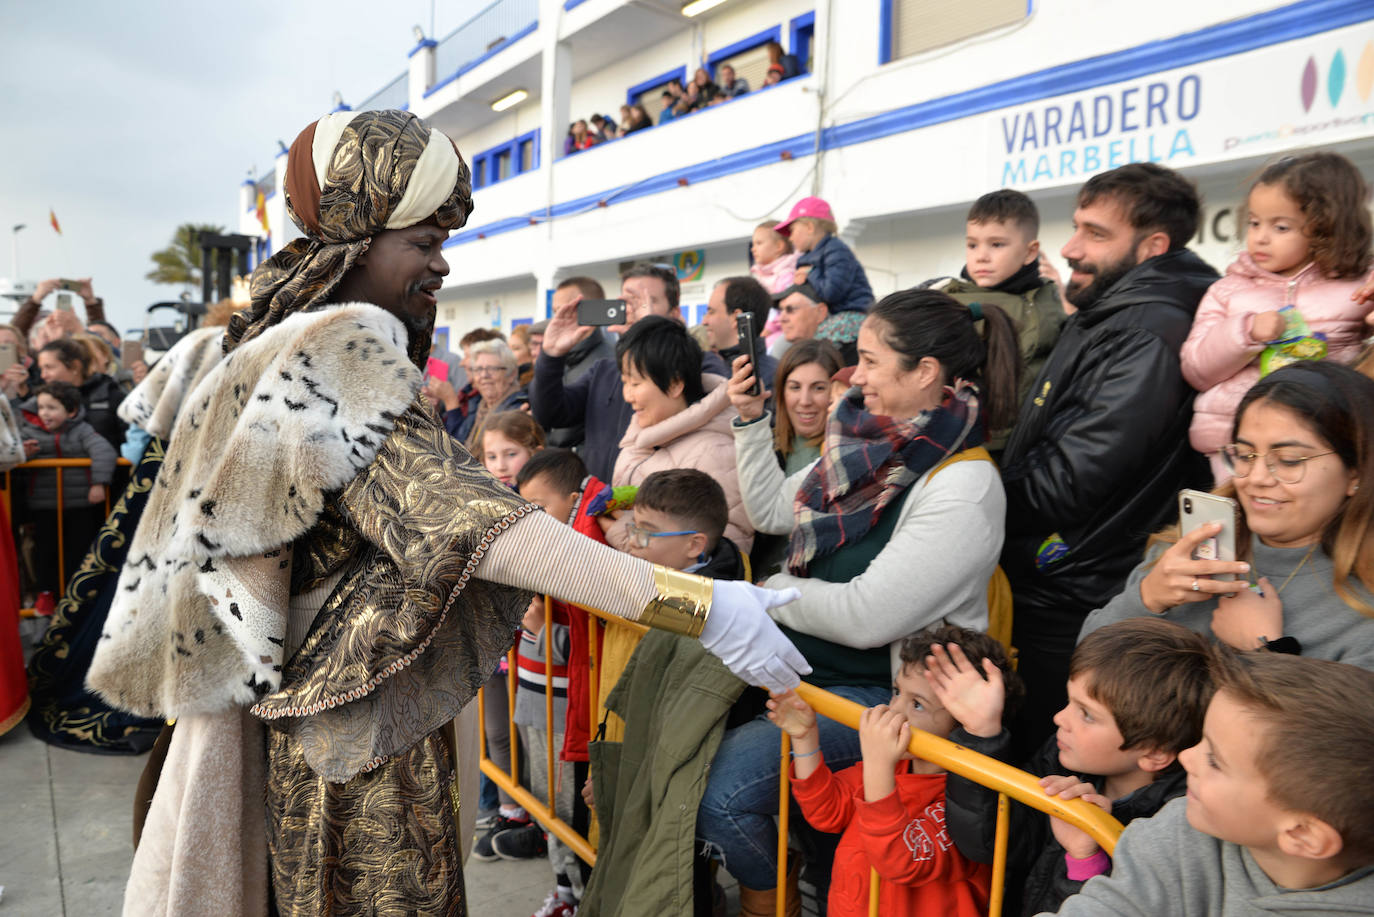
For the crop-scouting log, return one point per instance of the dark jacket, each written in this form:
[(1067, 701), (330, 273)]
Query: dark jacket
[(577, 364), (837, 276), (1100, 448), (102, 396), (971, 818), (725, 562), (73, 440), (594, 400), (460, 425)]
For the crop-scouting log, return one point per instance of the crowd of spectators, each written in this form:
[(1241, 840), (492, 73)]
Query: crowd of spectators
[(971, 487), (676, 100), (902, 458)]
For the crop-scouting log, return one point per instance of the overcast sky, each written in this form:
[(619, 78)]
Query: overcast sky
[(130, 118)]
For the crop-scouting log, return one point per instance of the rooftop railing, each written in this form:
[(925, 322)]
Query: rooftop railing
[(395, 94), (483, 35)]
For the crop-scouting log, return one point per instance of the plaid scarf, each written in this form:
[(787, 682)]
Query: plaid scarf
[(868, 460)]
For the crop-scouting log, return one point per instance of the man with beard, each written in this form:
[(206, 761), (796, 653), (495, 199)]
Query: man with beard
[(323, 578), (1100, 448)]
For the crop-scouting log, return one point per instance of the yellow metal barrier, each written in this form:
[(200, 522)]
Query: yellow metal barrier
[(57, 465), (1009, 782)]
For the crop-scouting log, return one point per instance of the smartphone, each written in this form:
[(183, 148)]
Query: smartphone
[(601, 312), (131, 352), (8, 355), (749, 345), (1197, 508), (72, 286), (437, 369), (64, 302)]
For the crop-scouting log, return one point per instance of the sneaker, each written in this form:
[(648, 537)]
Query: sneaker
[(486, 819), (555, 906), (483, 850), (524, 843)]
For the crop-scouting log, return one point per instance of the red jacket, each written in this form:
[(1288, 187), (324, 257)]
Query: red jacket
[(903, 836), (577, 726)]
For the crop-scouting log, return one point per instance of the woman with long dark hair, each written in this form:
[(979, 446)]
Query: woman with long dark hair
[(898, 525)]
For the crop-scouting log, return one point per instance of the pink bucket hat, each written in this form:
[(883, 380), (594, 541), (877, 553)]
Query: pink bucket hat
[(806, 207)]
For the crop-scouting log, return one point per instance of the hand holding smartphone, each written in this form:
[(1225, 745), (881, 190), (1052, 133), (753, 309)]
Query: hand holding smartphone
[(749, 345), (601, 312), (131, 352), (1197, 508)]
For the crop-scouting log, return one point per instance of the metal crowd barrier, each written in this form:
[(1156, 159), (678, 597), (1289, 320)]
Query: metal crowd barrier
[(1009, 782), (57, 465)]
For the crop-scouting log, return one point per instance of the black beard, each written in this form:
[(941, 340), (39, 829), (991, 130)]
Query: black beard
[(1104, 278)]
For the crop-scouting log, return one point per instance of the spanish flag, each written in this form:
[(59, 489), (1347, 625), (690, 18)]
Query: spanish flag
[(52, 218), (262, 212)]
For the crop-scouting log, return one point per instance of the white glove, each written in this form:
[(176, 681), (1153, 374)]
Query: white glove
[(741, 633)]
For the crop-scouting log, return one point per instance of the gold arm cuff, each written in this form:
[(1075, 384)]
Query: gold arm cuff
[(682, 603)]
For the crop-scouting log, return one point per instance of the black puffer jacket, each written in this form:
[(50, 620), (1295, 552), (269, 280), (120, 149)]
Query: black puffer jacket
[(1033, 855), (102, 396), (1100, 448)]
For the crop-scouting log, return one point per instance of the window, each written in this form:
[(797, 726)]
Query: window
[(647, 93), (802, 31), (912, 26), (749, 57), (498, 163)]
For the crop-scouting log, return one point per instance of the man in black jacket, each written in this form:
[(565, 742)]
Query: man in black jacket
[(595, 399), (1100, 448), (729, 298), (584, 355)]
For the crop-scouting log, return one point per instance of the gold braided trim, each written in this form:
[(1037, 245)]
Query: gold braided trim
[(682, 604), (329, 703)]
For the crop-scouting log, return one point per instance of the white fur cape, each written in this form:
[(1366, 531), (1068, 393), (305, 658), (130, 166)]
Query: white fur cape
[(199, 620), (155, 402)]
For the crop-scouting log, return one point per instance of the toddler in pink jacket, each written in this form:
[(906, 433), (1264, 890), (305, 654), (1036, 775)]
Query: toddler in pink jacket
[(1307, 246)]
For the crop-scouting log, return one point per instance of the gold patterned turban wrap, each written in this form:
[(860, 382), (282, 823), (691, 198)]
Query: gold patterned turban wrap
[(349, 176)]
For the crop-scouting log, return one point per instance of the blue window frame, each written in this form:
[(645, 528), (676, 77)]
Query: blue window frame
[(505, 160), (800, 33), (634, 92), (739, 47)]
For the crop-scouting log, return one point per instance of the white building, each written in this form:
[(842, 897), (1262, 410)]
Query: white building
[(906, 111)]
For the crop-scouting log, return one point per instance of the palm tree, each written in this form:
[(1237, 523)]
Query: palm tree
[(179, 263)]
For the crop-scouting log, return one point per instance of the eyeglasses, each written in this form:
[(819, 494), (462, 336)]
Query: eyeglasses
[(640, 537), (1286, 465), (488, 370)]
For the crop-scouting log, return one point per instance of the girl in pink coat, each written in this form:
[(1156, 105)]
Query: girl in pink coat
[(1307, 245), (774, 264)]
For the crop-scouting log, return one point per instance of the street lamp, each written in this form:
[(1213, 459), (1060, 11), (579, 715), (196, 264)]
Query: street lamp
[(14, 250)]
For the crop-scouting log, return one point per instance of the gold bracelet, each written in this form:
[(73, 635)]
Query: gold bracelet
[(682, 604)]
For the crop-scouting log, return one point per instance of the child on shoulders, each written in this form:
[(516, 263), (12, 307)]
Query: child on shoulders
[(1137, 691), (1288, 296), (891, 806), (1278, 818), (1002, 266), (824, 261)]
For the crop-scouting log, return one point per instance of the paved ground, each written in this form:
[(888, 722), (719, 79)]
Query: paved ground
[(65, 838)]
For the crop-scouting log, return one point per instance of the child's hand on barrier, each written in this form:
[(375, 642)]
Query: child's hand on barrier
[(974, 698), (792, 715), (96, 494), (533, 621), (30, 447), (587, 794), (1076, 842)]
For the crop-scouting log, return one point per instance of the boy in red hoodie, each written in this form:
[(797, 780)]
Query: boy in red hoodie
[(891, 806)]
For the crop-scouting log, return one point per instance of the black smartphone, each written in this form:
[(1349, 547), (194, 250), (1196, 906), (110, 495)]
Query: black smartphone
[(601, 312), (749, 344)]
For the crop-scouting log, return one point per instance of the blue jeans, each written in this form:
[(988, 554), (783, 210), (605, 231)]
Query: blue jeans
[(741, 799)]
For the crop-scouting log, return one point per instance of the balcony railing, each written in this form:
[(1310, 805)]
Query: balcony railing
[(395, 94), (492, 29)]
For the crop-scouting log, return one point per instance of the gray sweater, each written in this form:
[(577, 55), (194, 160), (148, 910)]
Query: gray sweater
[(1164, 866), (1313, 613)]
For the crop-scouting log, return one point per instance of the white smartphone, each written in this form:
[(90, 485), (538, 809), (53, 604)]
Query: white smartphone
[(1197, 508)]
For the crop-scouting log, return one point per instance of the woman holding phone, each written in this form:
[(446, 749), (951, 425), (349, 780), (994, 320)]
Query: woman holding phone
[(1303, 444)]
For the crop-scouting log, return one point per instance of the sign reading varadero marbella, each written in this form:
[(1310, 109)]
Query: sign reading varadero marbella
[(1310, 91)]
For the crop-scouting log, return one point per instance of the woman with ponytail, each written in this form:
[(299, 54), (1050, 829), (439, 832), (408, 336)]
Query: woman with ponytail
[(897, 526)]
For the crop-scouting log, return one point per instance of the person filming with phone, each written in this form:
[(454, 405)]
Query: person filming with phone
[(731, 298), (1302, 452)]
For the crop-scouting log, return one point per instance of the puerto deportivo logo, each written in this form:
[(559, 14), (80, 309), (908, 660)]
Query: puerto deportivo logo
[(1323, 90)]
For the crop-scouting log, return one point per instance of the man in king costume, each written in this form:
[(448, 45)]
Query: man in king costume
[(323, 578)]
